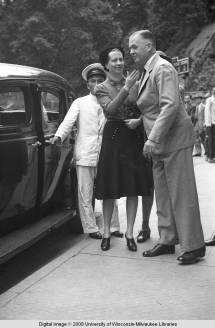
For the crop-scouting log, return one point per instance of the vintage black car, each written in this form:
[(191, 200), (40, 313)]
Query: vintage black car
[(35, 177)]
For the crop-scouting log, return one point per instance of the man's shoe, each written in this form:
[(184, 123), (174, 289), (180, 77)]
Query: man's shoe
[(105, 245), (117, 234), (210, 242), (95, 235), (159, 249), (192, 256), (143, 235), (197, 155)]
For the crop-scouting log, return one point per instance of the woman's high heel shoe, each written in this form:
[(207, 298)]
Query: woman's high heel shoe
[(132, 246), (105, 245)]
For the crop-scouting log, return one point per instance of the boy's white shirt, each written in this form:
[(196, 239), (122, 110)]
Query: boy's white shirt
[(210, 111), (90, 119)]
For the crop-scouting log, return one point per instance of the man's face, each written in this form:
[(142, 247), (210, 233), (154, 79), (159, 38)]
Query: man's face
[(187, 100), (93, 81), (140, 49), (198, 101)]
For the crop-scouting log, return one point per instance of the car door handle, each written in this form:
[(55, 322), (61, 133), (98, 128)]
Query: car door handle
[(36, 144), (47, 143)]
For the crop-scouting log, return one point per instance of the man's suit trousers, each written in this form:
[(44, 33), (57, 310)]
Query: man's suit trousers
[(86, 177), (177, 200)]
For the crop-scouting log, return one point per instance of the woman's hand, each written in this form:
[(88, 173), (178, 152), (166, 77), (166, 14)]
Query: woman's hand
[(132, 123), (131, 79)]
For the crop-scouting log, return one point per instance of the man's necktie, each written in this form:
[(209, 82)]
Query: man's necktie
[(142, 77)]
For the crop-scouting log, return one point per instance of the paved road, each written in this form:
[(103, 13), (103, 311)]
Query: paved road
[(69, 277)]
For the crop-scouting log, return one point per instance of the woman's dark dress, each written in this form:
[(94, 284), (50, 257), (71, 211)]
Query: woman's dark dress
[(122, 169)]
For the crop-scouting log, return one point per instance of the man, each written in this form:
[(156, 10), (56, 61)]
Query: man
[(210, 126), (169, 143), (210, 135), (211, 241), (199, 128), (191, 111), (145, 232), (90, 121)]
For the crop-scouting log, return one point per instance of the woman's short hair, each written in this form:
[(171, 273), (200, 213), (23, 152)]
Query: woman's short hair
[(104, 55)]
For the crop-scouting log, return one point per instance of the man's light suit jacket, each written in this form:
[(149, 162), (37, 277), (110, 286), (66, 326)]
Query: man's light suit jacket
[(165, 119)]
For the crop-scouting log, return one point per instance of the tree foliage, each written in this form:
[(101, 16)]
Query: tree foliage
[(177, 22), (66, 35), (133, 15), (60, 35)]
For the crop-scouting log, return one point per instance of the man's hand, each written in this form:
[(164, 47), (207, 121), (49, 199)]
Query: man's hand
[(149, 148), (56, 141), (132, 123)]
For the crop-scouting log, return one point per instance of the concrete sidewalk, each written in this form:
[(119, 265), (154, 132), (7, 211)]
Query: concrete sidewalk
[(86, 283)]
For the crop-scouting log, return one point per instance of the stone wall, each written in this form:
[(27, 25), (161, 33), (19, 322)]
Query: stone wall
[(202, 53)]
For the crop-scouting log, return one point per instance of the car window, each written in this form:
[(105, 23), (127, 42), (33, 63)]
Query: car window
[(50, 104), (12, 106)]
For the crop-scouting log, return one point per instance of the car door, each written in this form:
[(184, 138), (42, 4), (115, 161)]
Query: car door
[(53, 100), (18, 151)]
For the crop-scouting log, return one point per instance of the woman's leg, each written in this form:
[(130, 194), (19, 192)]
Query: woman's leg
[(147, 202), (131, 209), (108, 205), (145, 231)]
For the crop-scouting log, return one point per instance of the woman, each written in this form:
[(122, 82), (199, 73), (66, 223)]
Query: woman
[(122, 169)]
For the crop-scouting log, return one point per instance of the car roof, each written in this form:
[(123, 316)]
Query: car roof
[(12, 71)]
